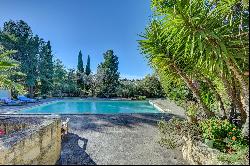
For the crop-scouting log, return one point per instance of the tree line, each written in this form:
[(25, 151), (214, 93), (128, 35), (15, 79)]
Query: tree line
[(33, 69)]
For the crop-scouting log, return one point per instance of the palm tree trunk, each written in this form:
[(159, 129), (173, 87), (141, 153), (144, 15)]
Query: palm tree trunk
[(234, 99), (194, 89), (230, 93), (234, 111), (245, 95), (218, 97), (239, 103)]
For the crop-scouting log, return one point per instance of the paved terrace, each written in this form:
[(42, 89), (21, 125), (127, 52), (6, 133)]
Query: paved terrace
[(116, 139)]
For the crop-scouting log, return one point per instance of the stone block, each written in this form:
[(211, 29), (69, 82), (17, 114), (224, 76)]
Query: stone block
[(32, 141), (197, 153), (9, 156), (31, 154)]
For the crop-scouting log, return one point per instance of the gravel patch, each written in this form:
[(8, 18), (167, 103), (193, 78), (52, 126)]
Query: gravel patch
[(117, 139)]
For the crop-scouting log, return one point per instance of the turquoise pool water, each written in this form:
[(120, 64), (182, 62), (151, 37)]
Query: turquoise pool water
[(92, 107)]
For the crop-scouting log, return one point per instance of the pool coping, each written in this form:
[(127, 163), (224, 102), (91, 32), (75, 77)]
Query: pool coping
[(15, 112)]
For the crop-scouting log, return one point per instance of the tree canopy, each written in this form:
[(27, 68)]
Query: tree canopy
[(108, 75)]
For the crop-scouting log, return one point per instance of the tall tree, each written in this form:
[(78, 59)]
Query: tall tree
[(80, 71), (109, 75), (46, 68), (71, 83), (59, 77), (88, 70), (80, 68), (31, 64), (87, 78), (18, 36)]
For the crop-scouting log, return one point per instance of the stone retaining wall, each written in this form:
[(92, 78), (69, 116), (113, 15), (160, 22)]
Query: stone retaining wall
[(10, 127), (197, 153), (40, 143)]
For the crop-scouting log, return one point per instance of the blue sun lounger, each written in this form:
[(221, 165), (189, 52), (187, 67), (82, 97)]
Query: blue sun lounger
[(26, 99), (9, 102)]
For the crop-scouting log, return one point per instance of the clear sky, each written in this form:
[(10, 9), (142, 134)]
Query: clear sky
[(92, 26)]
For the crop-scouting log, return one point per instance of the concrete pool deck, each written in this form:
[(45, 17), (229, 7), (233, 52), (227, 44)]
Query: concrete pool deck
[(116, 139)]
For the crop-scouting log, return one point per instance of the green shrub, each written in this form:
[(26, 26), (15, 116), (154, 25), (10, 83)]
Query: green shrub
[(192, 110), (239, 157), (222, 134), (172, 132), (141, 98)]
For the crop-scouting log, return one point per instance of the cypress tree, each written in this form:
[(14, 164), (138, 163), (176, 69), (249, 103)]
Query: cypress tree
[(80, 71), (88, 70), (80, 68)]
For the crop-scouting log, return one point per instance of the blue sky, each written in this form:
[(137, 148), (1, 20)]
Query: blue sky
[(92, 26)]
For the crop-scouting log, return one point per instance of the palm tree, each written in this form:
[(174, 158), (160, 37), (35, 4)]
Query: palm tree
[(208, 35), (162, 58)]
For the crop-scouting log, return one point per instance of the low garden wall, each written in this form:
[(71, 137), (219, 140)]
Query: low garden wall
[(30, 140), (10, 126), (197, 153)]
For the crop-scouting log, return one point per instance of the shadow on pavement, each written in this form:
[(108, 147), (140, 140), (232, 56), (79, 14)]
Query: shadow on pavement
[(98, 122), (74, 151)]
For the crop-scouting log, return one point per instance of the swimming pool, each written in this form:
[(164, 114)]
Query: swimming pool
[(92, 107)]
